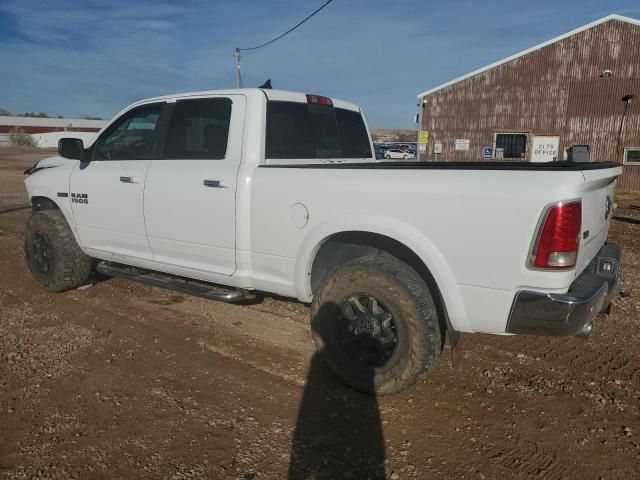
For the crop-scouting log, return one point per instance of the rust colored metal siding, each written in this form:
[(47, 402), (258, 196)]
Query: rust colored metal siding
[(557, 90)]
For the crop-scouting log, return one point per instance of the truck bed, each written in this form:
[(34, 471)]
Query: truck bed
[(479, 165)]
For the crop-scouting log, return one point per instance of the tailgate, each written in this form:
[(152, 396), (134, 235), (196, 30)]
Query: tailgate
[(597, 210)]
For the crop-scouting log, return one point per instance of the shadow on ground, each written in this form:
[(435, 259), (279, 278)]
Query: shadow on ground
[(338, 430)]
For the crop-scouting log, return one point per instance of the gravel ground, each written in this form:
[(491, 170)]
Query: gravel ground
[(122, 380)]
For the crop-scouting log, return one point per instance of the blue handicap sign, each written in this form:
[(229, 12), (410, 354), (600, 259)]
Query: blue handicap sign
[(488, 152)]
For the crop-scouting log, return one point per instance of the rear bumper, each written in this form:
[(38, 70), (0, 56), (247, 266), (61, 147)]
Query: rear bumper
[(571, 313)]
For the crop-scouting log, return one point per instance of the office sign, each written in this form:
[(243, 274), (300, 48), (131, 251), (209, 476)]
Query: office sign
[(545, 148)]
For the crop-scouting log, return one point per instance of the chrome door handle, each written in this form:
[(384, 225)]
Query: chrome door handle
[(215, 183), (128, 180)]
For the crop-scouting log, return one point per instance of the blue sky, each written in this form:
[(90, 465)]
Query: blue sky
[(73, 57)]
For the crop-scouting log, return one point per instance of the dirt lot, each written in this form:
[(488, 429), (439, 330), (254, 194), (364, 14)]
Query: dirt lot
[(121, 380)]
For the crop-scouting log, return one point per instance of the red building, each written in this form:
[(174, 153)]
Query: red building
[(33, 126)]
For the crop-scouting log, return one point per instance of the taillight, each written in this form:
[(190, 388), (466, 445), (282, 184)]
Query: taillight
[(559, 237), (318, 100)]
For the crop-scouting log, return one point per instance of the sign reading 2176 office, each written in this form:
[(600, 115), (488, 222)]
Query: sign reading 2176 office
[(545, 148)]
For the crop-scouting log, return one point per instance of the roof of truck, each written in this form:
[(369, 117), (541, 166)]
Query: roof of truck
[(281, 95)]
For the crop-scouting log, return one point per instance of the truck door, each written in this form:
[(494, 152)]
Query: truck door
[(190, 194), (107, 192)]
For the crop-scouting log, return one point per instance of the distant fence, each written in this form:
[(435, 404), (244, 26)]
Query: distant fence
[(50, 139)]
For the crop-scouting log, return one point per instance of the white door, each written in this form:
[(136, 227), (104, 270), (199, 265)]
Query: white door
[(107, 192), (190, 194), (545, 148)]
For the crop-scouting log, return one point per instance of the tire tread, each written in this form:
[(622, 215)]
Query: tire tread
[(424, 329), (72, 267)]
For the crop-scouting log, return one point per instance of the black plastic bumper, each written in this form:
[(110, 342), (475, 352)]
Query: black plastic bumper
[(571, 313)]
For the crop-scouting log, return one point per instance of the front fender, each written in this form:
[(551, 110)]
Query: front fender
[(36, 187), (413, 239)]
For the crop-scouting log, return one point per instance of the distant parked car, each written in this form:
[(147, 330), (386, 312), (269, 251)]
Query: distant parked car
[(379, 152), (396, 153)]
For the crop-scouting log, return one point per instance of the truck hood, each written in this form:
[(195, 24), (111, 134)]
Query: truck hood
[(49, 162)]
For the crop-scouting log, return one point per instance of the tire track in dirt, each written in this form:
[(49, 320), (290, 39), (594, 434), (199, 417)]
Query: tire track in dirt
[(583, 357), (528, 460)]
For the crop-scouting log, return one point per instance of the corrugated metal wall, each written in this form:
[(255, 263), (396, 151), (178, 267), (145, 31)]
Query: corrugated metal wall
[(557, 90)]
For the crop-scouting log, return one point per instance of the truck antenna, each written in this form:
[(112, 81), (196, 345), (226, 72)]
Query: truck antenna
[(237, 56)]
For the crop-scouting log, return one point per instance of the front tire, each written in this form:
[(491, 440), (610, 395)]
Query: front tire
[(375, 324), (53, 255)]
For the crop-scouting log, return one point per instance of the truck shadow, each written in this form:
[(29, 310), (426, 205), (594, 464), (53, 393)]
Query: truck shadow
[(627, 220), (338, 431)]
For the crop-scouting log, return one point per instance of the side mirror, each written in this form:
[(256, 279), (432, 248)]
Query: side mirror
[(71, 148)]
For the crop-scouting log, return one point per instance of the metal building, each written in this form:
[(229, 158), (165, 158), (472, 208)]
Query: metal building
[(576, 96)]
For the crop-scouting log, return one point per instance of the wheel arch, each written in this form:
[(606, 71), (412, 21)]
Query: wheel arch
[(39, 203), (327, 247), (43, 200)]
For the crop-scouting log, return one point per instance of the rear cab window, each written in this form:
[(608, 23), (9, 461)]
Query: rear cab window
[(311, 131)]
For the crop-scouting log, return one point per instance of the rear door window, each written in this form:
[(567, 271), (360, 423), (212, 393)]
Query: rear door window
[(198, 129), (310, 131)]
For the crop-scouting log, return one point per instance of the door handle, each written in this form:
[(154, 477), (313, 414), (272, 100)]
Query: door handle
[(128, 180), (215, 183)]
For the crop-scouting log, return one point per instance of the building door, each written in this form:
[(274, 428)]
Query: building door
[(510, 146)]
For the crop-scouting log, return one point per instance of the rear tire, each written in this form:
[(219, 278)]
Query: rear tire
[(392, 294), (53, 255)]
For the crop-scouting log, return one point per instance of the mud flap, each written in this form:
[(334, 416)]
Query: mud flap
[(455, 343)]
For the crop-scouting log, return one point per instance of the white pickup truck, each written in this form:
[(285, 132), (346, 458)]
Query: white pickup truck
[(279, 192)]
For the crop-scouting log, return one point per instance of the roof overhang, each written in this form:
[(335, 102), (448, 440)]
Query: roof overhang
[(608, 18)]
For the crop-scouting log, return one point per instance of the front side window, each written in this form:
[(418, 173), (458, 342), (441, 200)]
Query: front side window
[(309, 131), (132, 137), (199, 129)]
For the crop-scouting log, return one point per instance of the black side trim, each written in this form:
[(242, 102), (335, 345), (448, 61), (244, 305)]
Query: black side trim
[(35, 168), (549, 166)]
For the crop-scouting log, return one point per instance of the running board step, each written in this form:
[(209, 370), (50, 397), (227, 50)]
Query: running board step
[(169, 282)]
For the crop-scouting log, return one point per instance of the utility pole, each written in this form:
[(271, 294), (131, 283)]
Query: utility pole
[(237, 56)]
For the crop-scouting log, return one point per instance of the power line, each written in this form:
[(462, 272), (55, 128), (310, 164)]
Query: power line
[(285, 33)]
